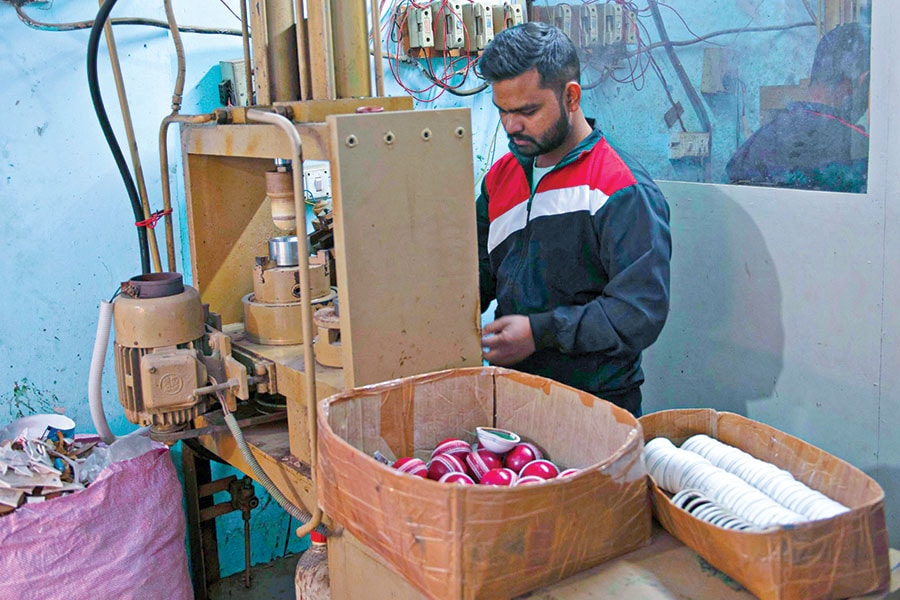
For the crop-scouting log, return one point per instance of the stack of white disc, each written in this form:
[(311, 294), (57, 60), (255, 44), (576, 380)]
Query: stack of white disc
[(776, 483), (706, 509), (675, 469)]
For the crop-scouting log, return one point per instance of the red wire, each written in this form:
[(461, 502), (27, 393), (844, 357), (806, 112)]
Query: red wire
[(150, 222), (855, 128)]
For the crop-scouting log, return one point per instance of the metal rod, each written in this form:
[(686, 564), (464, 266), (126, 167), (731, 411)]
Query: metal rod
[(246, 515), (309, 357), (282, 50), (321, 50), (245, 39), (302, 50), (351, 49), (164, 174), (263, 92), (376, 43)]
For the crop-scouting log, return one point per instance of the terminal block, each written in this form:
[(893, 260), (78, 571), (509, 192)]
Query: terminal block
[(448, 25), (589, 25), (507, 15), (478, 18), (613, 24), (630, 32), (561, 16), (419, 27)]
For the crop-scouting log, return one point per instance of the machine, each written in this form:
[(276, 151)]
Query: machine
[(287, 307)]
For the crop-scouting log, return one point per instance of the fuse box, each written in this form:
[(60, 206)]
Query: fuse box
[(419, 27), (507, 15), (478, 18), (448, 24)]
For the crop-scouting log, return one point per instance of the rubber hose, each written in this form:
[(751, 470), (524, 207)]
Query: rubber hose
[(95, 378), (109, 134), (297, 512)]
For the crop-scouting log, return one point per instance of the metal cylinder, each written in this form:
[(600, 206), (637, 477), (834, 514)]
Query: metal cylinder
[(351, 49), (283, 250), (282, 50)]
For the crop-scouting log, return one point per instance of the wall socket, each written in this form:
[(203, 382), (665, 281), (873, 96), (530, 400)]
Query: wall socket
[(317, 178)]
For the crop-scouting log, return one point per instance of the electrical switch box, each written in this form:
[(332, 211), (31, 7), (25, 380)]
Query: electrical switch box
[(688, 144), (419, 27), (613, 24), (448, 24), (316, 179), (589, 25), (478, 18), (507, 15)]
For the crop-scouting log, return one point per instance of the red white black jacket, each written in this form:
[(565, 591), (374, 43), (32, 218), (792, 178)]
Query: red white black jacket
[(586, 258)]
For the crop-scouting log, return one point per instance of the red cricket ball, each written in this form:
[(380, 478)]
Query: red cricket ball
[(522, 454), (411, 465), (482, 461), (528, 479), (568, 473), (455, 477), (499, 476), (452, 446), (541, 468), (442, 464)]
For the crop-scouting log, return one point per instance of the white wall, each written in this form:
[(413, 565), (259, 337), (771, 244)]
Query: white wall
[(783, 301)]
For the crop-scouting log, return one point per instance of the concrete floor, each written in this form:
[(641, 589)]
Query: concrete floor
[(271, 581)]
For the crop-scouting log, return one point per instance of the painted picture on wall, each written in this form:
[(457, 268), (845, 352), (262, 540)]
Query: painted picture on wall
[(745, 92)]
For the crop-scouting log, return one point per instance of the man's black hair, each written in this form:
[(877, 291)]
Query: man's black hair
[(519, 49), (842, 54)]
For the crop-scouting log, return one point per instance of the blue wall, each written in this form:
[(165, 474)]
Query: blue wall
[(66, 234)]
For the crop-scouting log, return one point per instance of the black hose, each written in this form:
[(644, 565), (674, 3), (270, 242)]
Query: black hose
[(97, 100), (693, 96)]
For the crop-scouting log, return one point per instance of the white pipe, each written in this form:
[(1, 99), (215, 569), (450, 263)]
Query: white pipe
[(95, 379)]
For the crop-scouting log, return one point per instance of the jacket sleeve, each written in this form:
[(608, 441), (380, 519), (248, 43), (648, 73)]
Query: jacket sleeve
[(487, 281), (629, 314)]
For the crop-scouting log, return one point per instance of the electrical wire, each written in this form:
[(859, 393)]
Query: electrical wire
[(109, 134), (692, 94), (147, 217), (707, 36), (74, 26), (443, 81)]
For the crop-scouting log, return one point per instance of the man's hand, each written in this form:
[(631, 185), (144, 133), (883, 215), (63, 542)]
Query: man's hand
[(508, 340)]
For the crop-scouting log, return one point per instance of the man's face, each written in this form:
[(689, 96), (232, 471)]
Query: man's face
[(535, 118)]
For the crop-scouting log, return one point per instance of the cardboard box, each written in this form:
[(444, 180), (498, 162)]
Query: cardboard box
[(838, 557), (455, 541)]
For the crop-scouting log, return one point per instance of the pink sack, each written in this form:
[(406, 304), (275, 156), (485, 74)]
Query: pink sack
[(121, 537)]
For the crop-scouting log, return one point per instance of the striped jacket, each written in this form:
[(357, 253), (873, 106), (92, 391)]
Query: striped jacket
[(586, 258)]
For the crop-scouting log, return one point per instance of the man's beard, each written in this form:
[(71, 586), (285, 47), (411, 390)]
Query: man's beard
[(549, 141)]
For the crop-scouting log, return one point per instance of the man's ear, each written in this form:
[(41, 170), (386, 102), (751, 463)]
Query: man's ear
[(572, 96)]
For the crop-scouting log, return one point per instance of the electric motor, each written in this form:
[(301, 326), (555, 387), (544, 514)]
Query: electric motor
[(158, 350)]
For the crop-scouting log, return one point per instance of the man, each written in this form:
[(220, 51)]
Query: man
[(816, 145), (573, 237)]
